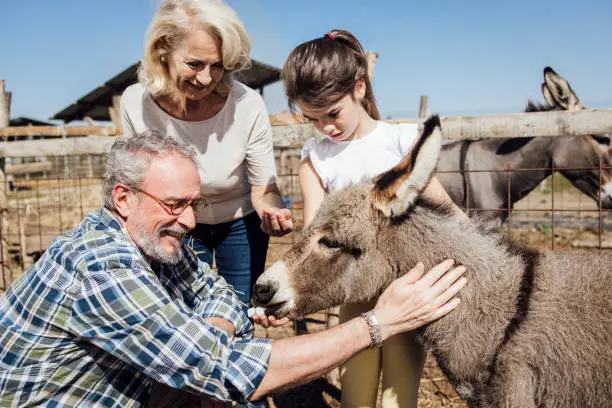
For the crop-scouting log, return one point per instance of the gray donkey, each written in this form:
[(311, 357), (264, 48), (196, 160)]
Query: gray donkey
[(577, 158), (532, 330)]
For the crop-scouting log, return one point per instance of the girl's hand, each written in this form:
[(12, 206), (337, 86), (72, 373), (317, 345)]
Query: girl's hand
[(276, 221), (418, 298)]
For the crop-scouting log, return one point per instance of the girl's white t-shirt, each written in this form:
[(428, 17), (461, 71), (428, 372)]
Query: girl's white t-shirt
[(341, 164)]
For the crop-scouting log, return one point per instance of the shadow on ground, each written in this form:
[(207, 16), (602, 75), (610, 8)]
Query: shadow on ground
[(318, 393)]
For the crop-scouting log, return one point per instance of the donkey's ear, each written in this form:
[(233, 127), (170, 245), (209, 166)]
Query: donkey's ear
[(550, 101), (396, 191), (558, 92)]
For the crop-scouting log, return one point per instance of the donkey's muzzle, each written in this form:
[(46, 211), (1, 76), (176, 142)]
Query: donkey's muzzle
[(264, 292)]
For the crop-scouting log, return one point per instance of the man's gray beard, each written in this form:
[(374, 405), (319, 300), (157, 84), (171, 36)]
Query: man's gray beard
[(153, 248)]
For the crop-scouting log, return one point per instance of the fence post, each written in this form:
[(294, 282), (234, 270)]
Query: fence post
[(5, 111), (371, 57), (423, 108), (422, 112)]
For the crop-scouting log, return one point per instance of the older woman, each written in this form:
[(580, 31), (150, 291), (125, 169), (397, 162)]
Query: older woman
[(186, 90)]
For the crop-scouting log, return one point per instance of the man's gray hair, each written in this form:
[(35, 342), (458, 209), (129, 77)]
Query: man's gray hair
[(130, 156)]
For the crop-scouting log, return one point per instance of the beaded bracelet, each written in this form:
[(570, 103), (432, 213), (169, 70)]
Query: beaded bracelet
[(374, 328)]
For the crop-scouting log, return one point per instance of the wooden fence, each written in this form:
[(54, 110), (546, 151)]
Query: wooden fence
[(288, 139), (554, 123), (63, 144)]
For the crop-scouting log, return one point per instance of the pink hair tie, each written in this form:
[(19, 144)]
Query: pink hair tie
[(330, 36)]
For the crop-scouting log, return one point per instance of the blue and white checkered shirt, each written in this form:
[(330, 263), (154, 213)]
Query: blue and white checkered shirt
[(92, 323)]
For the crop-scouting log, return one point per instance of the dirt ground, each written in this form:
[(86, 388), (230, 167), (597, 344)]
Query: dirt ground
[(434, 392)]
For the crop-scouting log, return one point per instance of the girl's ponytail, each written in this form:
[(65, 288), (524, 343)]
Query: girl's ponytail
[(324, 70)]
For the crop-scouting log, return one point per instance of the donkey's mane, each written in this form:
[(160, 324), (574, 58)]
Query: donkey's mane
[(539, 107)]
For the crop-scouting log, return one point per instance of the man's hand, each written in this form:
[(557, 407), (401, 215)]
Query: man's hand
[(419, 297)]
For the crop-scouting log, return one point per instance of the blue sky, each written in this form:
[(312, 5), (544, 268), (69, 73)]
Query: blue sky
[(469, 57)]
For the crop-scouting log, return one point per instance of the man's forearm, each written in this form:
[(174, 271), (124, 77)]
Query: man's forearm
[(300, 359), (222, 324)]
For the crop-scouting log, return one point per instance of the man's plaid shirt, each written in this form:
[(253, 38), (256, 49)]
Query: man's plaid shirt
[(92, 323)]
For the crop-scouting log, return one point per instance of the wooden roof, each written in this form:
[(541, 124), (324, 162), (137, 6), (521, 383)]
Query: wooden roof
[(26, 121), (96, 103)]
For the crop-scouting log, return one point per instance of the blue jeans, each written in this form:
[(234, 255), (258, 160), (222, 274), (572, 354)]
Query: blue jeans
[(239, 248)]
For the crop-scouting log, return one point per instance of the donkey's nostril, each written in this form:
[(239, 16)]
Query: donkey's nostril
[(264, 292)]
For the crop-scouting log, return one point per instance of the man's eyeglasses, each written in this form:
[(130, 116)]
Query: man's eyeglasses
[(175, 208)]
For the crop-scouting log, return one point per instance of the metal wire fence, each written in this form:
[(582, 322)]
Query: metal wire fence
[(42, 206)]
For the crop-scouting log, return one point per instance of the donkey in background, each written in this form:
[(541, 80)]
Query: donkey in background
[(489, 190), (532, 330)]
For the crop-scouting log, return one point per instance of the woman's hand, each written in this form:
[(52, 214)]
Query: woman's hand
[(276, 221), (418, 298)]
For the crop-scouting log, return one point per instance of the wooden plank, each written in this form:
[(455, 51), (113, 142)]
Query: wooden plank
[(591, 244), (556, 123), (34, 243), (371, 58), (5, 104), (423, 107), (59, 131), (292, 135), (286, 118), (595, 122), (114, 112), (29, 168), (57, 147), (5, 114)]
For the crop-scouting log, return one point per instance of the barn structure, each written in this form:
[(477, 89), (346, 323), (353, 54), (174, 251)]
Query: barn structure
[(102, 103)]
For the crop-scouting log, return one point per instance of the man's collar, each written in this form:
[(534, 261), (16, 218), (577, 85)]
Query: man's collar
[(112, 221)]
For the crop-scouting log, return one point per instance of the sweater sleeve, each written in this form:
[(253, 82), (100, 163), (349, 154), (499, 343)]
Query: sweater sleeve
[(260, 166), (127, 124)]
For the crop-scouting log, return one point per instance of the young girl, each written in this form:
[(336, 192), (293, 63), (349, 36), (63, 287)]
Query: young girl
[(327, 78)]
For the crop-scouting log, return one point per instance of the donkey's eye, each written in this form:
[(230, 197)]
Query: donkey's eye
[(326, 242), (356, 252), (604, 140)]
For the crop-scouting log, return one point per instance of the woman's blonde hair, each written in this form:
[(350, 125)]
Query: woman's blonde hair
[(172, 22)]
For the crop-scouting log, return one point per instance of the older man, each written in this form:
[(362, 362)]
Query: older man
[(121, 304)]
